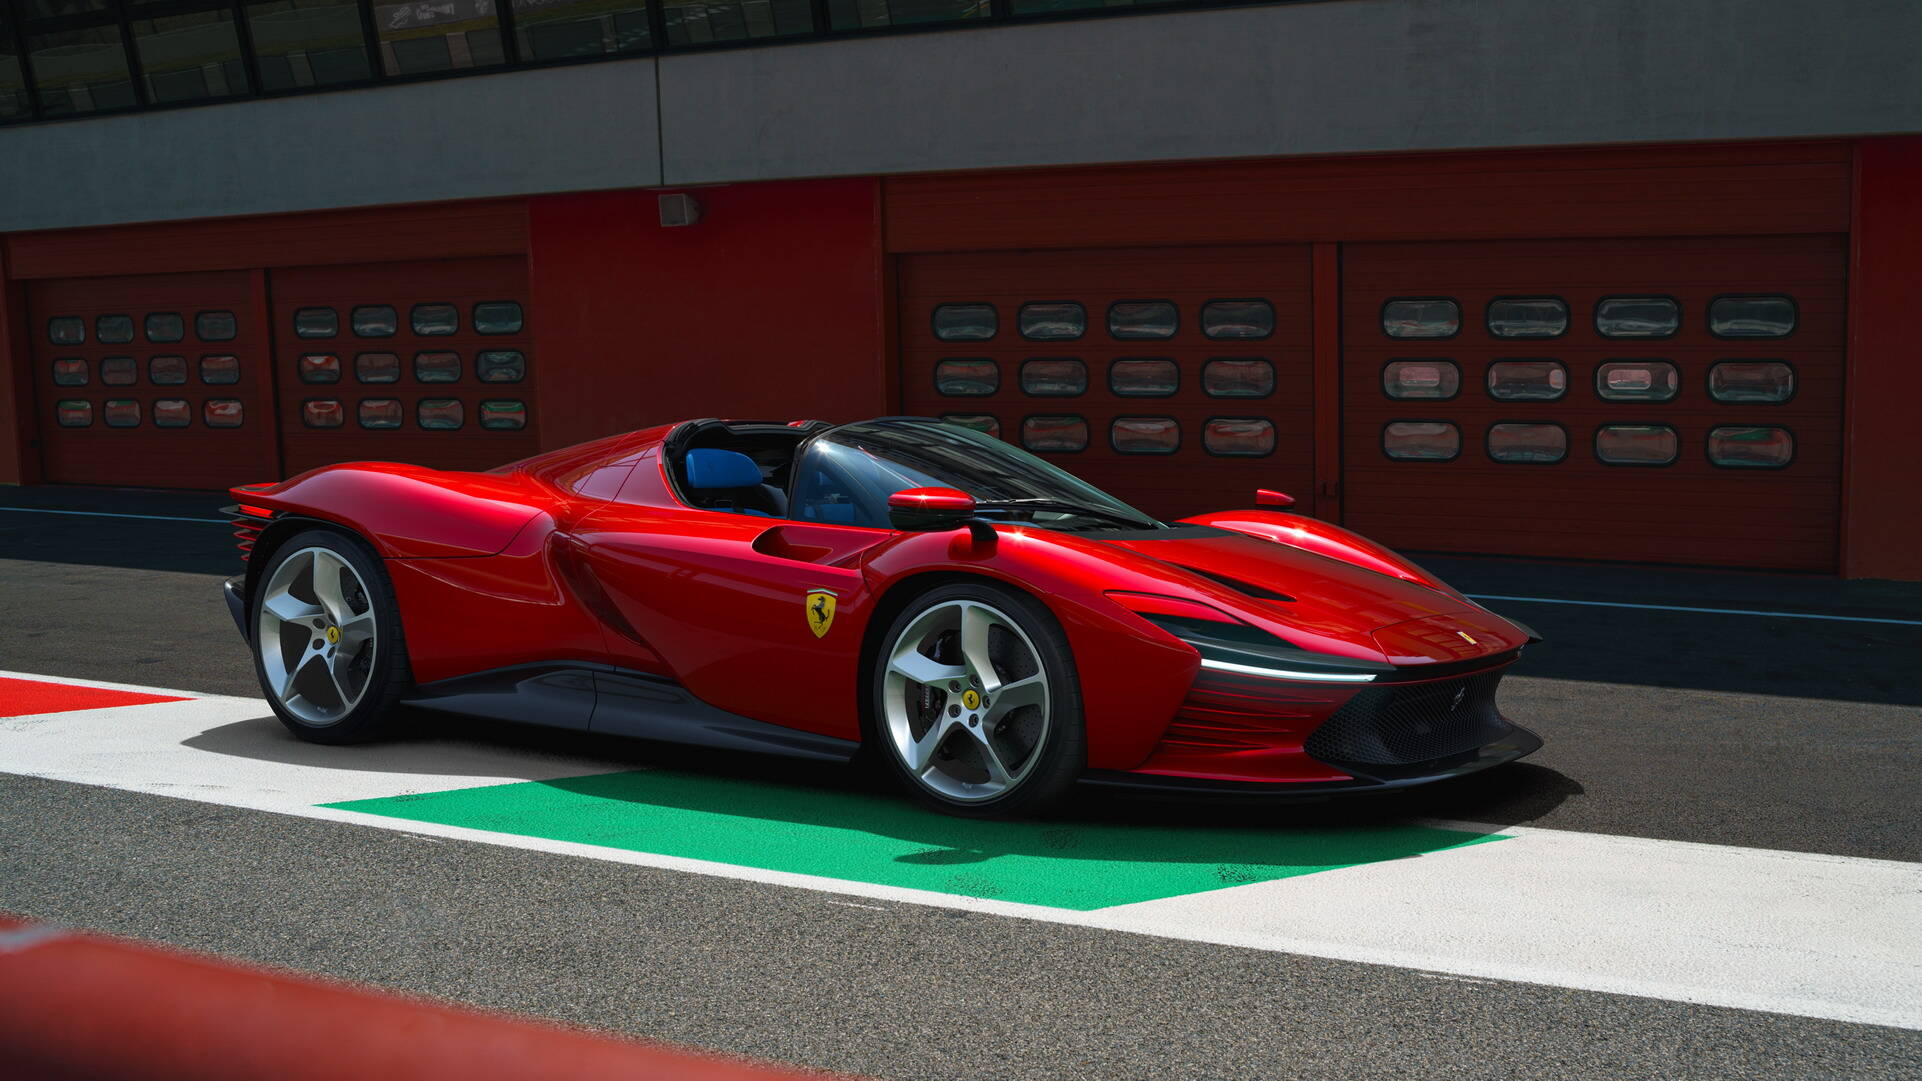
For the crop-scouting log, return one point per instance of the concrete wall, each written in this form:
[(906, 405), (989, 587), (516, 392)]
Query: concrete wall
[(1308, 78)]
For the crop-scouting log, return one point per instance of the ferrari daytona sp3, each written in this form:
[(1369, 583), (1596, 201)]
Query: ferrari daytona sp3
[(987, 626)]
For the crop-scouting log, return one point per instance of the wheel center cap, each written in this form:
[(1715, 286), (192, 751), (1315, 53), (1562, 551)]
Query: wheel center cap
[(970, 699), (333, 636)]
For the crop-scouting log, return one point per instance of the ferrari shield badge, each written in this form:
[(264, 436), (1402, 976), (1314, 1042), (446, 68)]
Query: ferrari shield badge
[(820, 611)]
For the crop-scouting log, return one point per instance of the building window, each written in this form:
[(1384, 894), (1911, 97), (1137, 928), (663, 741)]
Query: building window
[(375, 321), (435, 320), (1751, 317), (67, 330), (1053, 321), (1239, 437), (172, 413), (498, 317), (113, 329), (381, 414), (70, 371), (121, 413), (222, 413), (1054, 378), (980, 422), (1237, 377), (860, 14), (1060, 434), (1770, 381), (319, 368), (1144, 377), (500, 366), (1427, 379), (698, 22), (1637, 317), (323, 413), (1636, 380), (216, 326), (81, 71), (119, 371), (1237, 320), (316, 323), (1421, 441), (1421, 317), (416, 39), (966, 377), (1144, 435), (193, 56), (73, 413), (14, 104), (503, 414), (1132, 320), (1740, 446), (1528, 317), (1538, 444), (442, 367), (302, 43), (1636, 444), (165, 327), (219, 370), (166, 372), (964, 322), (576, 28), (377, 368), (440, 414), (1527, 380)]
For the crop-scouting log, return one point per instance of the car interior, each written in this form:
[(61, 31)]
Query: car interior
[(745, 468)]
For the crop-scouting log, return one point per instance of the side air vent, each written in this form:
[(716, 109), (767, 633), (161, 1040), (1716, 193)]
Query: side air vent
[(1245, 588)]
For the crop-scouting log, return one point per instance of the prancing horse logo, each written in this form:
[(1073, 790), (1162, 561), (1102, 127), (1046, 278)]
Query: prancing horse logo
[(820, 611)]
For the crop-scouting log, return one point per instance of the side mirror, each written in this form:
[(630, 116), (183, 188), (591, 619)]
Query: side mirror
[(925, 509), (1268, 497)]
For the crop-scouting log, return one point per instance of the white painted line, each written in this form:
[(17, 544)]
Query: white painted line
[(106, 514), (1709, 611)]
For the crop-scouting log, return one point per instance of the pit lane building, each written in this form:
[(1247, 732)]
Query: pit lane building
[(1610, 280)]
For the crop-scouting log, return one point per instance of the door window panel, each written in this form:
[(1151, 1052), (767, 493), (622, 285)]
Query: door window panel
[(73, 413), (166, 371), (980, 422), (222, 413), (1238, 377), (966, 377), (441, 367), (1421, 440), (440, 414), (67, 330), (1751, 317), (375, 321), (1637, 380), (1045, 378), (1053, 322), (377, 368), (1239, 437), (1528, 317), (172, 413), (1061, 434), (319, 368), (216, 326), (316, 323), (498, 317), (1421, 317), (121, 413), (1433, 380), (500, 366), (965, 322), (1637, 317), (1144, 377), (503, 414), (70, 372), (1145, 435), (381, 414), (1527, 380), (1131, 320), (165, 327), (1533, 443), (1237, 320), (435, 320), (119, 372), (1751, 381), (113, 329), (1739, 446), (1636, 444), (219, 370), (323, 413)]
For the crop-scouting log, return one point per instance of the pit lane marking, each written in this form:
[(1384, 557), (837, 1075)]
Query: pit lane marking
[(1705, 611), (111, 514)]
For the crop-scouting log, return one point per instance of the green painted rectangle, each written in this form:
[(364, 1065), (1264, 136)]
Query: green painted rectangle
[(863, 837)]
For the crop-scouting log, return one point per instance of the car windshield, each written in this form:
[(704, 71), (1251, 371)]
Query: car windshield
[(847, 473)]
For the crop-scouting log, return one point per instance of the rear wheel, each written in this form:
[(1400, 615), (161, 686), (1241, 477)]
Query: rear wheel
[(976, 702), (327, 641)]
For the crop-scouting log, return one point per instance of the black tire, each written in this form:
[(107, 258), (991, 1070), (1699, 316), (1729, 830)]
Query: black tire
[(1059, 756), (387, 676)]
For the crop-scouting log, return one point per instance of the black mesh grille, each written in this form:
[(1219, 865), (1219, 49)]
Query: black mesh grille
[(1400, 725)]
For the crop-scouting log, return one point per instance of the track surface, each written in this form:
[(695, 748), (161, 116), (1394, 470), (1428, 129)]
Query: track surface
[(1791, 735)]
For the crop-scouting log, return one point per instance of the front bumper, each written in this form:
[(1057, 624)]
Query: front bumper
[(234, 589)]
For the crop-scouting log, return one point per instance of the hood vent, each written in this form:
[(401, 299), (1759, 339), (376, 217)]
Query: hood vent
[(1245, 588)]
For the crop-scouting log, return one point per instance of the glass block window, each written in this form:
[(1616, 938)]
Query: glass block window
[(980, 422), (1637, 380), (1046, 378), (1746, 446), (1238, 377), (965, 322), (216, 326), (440, 367), (1144, 377), (1421, 441), (121, 413), (375, 321), (300, 43), (119, 371), (435, 320), (1636, 444), (165, 327), (1637, 317), (1527, 380), (1239, 437), (500, 366), (222, 413), (70, 372), (1053, 322), (219, 370), (323, 413), (498, 317), (67, 330), (440, 414), (966, 377), (377, 368), (1432, 380), (1145, 435), (1061, 434), (1751, 381), (381, 414), (503, 414), (1237, 320), (73, 413), (113, 329), (166, 371), (1534, 443), (172, 413), (1528, 317), (316, 323), (1421, 317), (1132, 320), (1751, 317), (319, 368)]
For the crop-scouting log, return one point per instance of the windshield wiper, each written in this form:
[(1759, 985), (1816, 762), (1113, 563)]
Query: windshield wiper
[(1064, 507)]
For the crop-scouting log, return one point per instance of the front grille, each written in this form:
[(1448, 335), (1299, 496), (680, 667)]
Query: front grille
[(1402, 724)]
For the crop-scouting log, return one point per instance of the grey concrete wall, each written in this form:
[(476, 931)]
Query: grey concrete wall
[(1331, 77)]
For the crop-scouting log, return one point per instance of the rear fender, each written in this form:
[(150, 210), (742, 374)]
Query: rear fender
[(408, 512)]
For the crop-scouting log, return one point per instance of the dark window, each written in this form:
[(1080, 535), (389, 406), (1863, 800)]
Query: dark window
[(219, 370), (73, 413), (1144, 435), (498, 317), (1527, 317), (375, 321), (1636, 444), (503, 414), (440, 414), (1421, 440), (119, 371), (67, 330), (966, 377), (859, 14), (222, 413), (440, 367), (564, 29), (121, 413), (377, 368), (323, 413), (216, 326), (172, 413), (980, 422), (1421, 317), (1751, 381), (500, 366), (1751, 317), (418, 38), (316, 323), (1238, 377), (698, 22), (1534, 443), (1431, 379), (1046, 377), (964, 322), (1636, 380), (80, 71), (1061, 434), (1244, 320), (1743, 446), (1053, 321), (1527, 380), (166, 372), (1144, 377), (1637, 317), (1139, 319), (113, 329), (1239, 437), (166, 327), (381, 413), (14, 104), (190, 57), (70, 372), (435, 320), (300, 43), (319, 368)]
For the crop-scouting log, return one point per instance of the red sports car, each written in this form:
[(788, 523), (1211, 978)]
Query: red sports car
[(989, 626)]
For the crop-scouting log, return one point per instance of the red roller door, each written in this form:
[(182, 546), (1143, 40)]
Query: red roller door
[(1690, 411)]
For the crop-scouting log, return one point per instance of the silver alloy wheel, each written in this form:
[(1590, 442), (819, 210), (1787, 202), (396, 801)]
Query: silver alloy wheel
[(965, 701), (316, 635)]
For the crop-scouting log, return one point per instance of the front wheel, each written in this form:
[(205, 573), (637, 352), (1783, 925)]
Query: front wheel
[(976, 702)]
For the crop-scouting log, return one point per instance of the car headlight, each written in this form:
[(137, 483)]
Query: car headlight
[(1226, 644)]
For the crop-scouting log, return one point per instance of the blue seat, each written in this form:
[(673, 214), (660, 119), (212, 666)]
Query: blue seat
[(736, 482)]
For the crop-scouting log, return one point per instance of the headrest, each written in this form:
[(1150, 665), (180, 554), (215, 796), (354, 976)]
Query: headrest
[(708, 467)]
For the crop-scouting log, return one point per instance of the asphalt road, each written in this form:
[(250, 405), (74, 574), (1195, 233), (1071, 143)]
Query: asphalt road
[(1798, 735)]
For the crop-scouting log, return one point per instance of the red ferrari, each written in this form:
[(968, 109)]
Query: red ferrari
[(988, 626)]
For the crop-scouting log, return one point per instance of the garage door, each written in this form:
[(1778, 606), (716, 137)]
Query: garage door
[(1671, 400), (153, 381), (429, 363), (1178, 379)]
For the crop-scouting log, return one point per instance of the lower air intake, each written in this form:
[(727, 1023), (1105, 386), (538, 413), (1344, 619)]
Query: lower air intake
[(1402, 724)]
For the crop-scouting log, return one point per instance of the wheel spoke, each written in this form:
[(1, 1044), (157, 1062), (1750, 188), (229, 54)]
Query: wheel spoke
[(975, 622), (921, 751), (327, 568), (1031, 691), (334, 667), (291, 609), (923, 669), (990, 758), (356, 629)]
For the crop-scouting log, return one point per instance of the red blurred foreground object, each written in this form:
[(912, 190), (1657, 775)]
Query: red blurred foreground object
[(26, 697), (75, 1005)]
